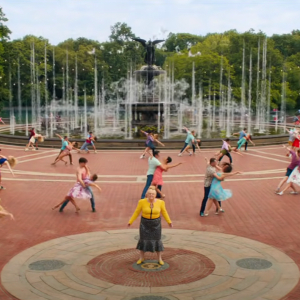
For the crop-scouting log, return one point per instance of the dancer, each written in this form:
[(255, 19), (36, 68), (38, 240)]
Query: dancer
[(66, 152), (296, 142), (82, 173), (225, 150), (80, 192), (217, 193), (151, 138), (33, 139), (157, 181), (294, 163), (150, 226), (192, 144), (294, 178), (64, 144), (242, 134), (4, 213), (210, 174), (189, 141), (10, 162), (291, 133), (243, 141), (89, 142), (153, 163)]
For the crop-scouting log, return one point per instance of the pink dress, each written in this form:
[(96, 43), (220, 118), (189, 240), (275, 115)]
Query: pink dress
[(79, 192), (157, 177)]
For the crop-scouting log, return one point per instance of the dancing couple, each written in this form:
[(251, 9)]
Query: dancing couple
[(213, 190), (82, 188), (154, 173), (190, 142)]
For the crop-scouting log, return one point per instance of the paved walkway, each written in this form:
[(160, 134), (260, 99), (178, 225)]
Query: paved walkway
[(254, 212)]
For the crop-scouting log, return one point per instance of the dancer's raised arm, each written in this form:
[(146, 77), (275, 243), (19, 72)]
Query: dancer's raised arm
[(173, 166)]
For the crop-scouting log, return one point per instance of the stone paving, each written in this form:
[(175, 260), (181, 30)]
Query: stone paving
[(67, 273), (255, 243)]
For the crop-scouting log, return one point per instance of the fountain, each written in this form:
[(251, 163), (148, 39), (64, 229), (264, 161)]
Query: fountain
[(149, 98)]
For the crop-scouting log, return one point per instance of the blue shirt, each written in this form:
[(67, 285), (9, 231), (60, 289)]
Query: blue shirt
[(153, 164), (189, 139), (242, 134), (64, 144)]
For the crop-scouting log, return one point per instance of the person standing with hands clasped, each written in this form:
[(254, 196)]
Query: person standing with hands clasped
[(150, 226)]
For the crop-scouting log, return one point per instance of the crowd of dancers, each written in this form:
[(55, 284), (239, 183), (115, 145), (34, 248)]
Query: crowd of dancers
[(152, 203)]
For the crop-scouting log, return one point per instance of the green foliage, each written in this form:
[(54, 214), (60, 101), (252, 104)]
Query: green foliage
[(120, 54)]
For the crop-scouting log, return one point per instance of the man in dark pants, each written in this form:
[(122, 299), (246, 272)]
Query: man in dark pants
[(80, 175), (209, 176)]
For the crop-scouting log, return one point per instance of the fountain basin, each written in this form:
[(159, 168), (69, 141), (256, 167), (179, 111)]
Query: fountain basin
[(121, 144)]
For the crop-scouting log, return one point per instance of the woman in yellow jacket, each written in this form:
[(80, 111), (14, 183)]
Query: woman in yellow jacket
[(150, 226)]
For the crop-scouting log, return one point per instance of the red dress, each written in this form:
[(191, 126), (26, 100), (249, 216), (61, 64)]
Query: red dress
[(157, 177), (296, 142)]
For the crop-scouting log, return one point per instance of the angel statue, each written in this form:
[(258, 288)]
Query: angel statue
[(150, 50)]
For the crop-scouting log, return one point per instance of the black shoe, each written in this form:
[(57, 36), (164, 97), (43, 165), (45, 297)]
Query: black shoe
[(93, 210), (61, 210)]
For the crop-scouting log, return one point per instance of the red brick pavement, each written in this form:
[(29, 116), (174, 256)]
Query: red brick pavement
[(254, 211)]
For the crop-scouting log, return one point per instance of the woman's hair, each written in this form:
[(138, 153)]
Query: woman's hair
[(249, 137), (94, 177), (75, 144), (151, 188), (12, 161), (155, 135), (227, 168), (169, 159), (40, 139), (95, 138)]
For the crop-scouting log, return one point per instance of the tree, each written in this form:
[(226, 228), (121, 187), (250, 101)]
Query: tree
[(4, 37), (120, 33)]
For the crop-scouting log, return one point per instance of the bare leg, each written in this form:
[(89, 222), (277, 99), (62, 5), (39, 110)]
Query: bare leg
[(160, 261), (208, 206), (145, 151), (216, 203), (290, 185), (60, 203), (284, 180), (142, 257)]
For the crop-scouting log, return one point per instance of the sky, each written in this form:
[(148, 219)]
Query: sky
[(58, 20)]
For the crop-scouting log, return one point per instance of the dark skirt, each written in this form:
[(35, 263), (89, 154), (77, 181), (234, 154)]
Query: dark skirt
[(150, 235)]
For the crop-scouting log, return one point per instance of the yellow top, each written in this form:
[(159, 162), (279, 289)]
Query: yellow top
[(145, 207)]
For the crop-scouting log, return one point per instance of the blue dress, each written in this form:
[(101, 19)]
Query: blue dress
[(217, 192)]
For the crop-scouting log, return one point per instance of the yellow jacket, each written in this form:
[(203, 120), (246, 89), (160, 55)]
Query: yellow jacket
[(148, 213)]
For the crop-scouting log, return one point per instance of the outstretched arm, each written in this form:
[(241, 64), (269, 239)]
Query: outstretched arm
[(96, 186), (9, 168), (207, 162), (159, 142), (251, 142), (58, 136), (6, 213), (173, 166), (230, 174)]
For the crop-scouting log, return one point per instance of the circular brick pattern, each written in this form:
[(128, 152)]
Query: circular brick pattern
[(163, 237), (46, 265), (116, 267), (188, 253), (150, 266), (254, 263)]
